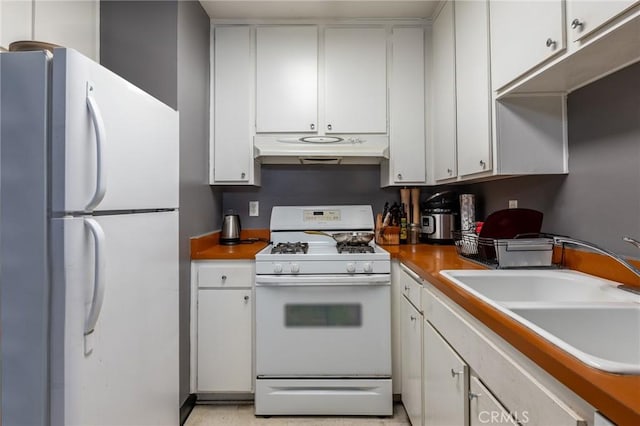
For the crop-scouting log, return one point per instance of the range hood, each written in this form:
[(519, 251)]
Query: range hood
[(328, 149)]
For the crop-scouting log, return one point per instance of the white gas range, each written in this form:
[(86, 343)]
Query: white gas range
[(323, 315)]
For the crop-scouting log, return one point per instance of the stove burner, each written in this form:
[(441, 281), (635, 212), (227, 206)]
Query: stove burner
[(290, 248), (355, 248)]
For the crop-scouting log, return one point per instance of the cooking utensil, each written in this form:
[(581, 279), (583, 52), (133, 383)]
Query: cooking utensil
[(347, 237)]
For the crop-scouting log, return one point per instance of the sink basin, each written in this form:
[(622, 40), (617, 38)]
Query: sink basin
[(504, 286), (586, 316), (604, 337)]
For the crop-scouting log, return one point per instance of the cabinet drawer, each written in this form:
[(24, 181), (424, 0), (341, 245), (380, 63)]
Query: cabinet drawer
[(514, 386), (411, 285), (225, 274)]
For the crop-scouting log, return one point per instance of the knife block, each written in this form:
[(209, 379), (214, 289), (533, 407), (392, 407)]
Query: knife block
[(386, 235)]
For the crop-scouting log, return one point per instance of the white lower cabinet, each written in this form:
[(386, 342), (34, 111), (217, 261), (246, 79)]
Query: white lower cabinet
[(222, 326), (505, 387), (445, 382), (412, 362)]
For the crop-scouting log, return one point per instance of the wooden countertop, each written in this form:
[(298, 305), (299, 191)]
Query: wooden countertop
[(616, 396), (208, 247)]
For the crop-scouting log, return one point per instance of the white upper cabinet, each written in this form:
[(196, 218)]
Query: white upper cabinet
[(232, 149), (585, 16), (355, 80), (407, 107), (444, 95), (287, 79), (68, 23), (524, 34), (473, 91)]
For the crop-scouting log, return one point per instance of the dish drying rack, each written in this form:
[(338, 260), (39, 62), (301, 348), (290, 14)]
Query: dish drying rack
[(523, 251)]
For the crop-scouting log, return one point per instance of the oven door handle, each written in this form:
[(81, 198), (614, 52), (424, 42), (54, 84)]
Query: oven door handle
[(322, 280)]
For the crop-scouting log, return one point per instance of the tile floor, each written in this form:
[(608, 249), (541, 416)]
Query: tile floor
[(240, 415)]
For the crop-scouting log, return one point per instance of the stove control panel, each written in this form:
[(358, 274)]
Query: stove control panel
[(310, 267)]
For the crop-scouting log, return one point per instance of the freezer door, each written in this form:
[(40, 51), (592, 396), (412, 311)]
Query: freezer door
[(115, 320), (114, 146)]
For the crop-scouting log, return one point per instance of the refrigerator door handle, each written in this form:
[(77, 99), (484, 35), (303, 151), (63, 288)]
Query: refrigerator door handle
[(98, 124), (99, 274)]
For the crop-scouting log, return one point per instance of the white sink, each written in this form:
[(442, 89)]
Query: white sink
[(604, 337), (586, 316), (532, 285)]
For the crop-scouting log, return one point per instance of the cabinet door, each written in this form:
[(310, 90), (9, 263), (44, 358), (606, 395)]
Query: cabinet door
[(585, 16), (445, 382), (444, 95), (473, 91), (484, 408), (69, 23), (232, 143), (287, 79), (407, 107), (15, 21), (523, 35), (412, 362), (224, 340), (355, 80)]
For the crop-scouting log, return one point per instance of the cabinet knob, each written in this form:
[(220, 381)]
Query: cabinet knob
[(329, 127), (242, 175), (455, 373), (474, 395), (406, 288), (449, 171), (483, 164), (399, 176), (224, 278), (412, 318), (312, 126), (246, 299), (576, 23), (551, 43)]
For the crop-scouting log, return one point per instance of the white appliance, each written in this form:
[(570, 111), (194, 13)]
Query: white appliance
[(88, 246), (323, 315)]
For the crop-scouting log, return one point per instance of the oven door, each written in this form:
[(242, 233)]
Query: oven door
[(323, 326)]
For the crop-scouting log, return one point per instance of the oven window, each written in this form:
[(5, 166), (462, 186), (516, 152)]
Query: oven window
[(323, 315)]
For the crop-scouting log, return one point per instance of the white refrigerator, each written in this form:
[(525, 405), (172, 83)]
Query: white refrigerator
[(88, 246)]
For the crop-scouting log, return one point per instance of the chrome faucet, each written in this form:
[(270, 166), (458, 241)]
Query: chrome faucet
[(612, 255)]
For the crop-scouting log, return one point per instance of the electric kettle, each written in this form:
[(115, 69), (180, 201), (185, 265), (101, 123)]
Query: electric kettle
[(230, 233)]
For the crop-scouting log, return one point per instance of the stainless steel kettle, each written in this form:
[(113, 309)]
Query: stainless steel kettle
[(230, 233)]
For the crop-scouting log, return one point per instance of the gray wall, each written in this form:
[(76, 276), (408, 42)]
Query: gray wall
[(200, 205), (138, 42), (308, 185), (163, 47), (599, 200)]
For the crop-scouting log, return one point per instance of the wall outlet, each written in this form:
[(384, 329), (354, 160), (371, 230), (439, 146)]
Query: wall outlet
[(513, 204), (254, 208)]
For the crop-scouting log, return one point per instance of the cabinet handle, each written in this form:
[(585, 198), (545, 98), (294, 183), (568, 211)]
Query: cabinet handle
[(242, 175), (455, 373), (329, 126), (551, 43), (406, 288), (577, 24), (224, 278), (449, 171), (474, 395), (412, 318), (246, 299), (483, 164), (312, 126), (399, 176)]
